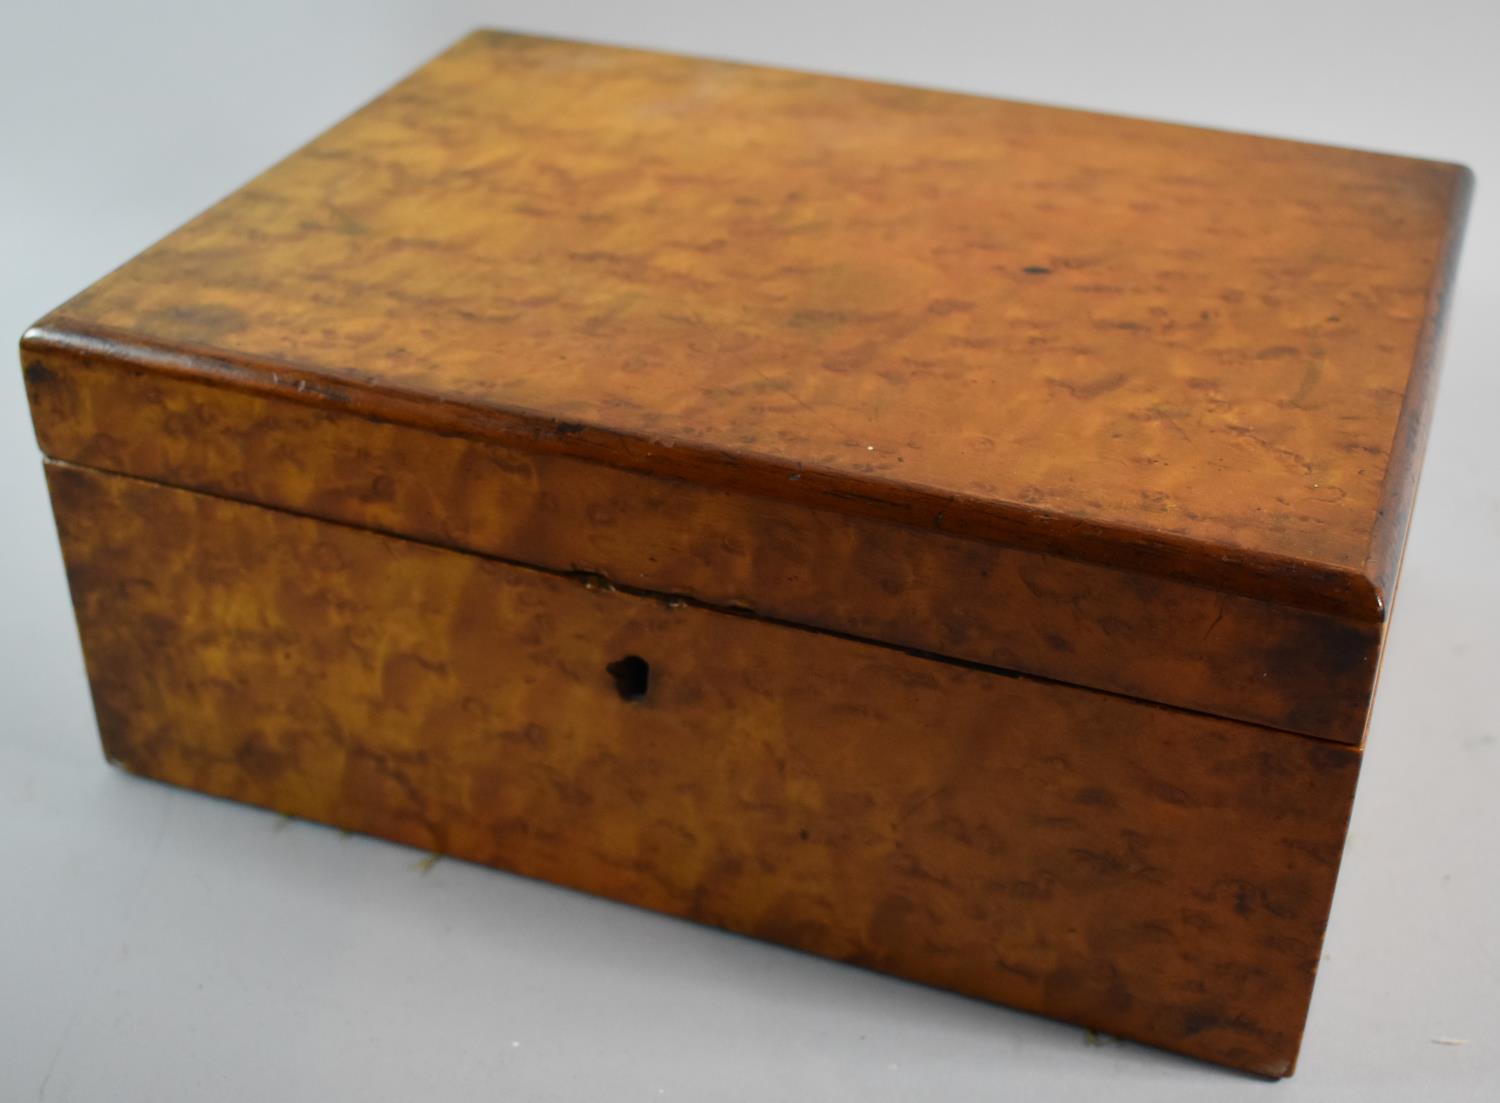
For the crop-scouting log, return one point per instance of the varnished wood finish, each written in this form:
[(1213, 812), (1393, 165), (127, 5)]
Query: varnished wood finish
[(1153, 873), (1137, 634), (1170, 350), (1007, 502)]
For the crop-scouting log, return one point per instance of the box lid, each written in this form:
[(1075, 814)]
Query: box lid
[(1196, 356)]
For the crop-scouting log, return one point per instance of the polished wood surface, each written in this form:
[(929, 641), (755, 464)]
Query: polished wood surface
[(1153, 873), (948, 535), (1136, 634), (1180, 352)]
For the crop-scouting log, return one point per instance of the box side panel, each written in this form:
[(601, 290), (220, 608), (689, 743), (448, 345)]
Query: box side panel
[(1157, 874), (1144, 636)]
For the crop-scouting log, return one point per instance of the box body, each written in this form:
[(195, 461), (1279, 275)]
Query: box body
[(1152, 873), (949, 536)]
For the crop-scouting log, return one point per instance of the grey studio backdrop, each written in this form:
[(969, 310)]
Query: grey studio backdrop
[(156, 945)]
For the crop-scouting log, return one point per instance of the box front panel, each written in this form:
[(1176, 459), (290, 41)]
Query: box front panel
[(1147, 636), (1154, 873)]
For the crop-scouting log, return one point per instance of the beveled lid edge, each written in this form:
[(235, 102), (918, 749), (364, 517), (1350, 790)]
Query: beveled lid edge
[(1408, 445)]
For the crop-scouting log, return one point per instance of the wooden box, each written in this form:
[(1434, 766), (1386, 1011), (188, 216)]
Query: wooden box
[(947, 535)]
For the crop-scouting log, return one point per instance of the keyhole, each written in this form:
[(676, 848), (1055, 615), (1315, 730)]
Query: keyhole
[(632, 676)]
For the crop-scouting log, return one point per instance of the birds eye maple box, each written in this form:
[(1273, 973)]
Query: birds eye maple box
[(948, 535)]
